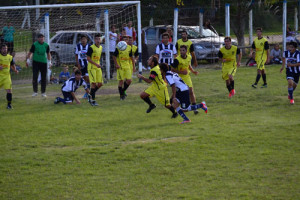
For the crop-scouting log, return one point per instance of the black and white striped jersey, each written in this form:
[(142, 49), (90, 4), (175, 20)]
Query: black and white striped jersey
[(292, 58), (166, 53), (71, 85), (81, 51), (174, 78)]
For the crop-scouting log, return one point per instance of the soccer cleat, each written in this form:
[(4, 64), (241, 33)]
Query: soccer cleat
[(292, 101), (174, 115), (9, 106), (125, 94), (185, 121), (56, 101), (44, 95), (196, 112), (95, 103), (264, 86), (123, 97), (254, 85), (204, 107), (229, 95), (232, 92), (34, 94), (289, 97), (151, 107)]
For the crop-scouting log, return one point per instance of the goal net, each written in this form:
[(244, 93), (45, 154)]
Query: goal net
[(63, 25)]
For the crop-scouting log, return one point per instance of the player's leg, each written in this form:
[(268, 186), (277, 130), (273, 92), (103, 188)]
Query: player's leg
[(291, 89), (264, 77), (43, 70), (146, 97), (120, 78), (258, 75), (93, 81), (180, 103), (127, 82), (164, 98), (35, 75), (231, 82), (9, 98)]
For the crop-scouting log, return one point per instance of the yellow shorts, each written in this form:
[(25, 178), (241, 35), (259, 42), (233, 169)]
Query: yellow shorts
[(187, 80), (123, 74), (228, 71), (260, 64), (95, 75), (5, 82), (161, 95)]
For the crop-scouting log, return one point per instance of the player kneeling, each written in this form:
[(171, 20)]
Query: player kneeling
[(69, 88), (180, 93)]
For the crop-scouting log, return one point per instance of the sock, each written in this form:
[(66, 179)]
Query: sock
[(88, 85), (181, 113), (229, 87), (291, 90), (148, 101), (125, 86), (257, 79), (232, 85), (96, 89), (172, 109), (61, 100), (264, 77), (93, 93), (195, 107), (9, 98), (121, 91)]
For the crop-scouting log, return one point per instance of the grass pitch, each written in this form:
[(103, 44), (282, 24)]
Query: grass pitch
[(246, 147)]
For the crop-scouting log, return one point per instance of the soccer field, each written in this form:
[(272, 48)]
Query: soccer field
[(246, 147)]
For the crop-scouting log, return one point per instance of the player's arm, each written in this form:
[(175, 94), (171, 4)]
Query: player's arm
[(49, 56), (251, 50), (239, 53), (283, 64), (220, 55), (193, 71), (76, 58), (267, 48), (152, 76), (116, 53), (157, 52), (75, 98), (89, 54), (192, 50), (173, 91), (175, 69), (133, 61), (13, 66), (31, 51)]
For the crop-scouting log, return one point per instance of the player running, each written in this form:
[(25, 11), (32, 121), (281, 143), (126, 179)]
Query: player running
[(291, 60), (125, 65), (182, 66), (81, 60), (261, 46), (69, 88), (94, 68), (180, 93), (158, 88), (229, 63), (6, 63)]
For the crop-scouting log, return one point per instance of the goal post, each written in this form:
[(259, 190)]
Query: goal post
[(55, 18)]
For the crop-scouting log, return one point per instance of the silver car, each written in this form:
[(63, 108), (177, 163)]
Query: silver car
[(204, 50), (63, 45)]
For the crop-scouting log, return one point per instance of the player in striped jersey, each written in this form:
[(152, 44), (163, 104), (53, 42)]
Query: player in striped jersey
[(69, 88), (291, 60), (180, 93), (81, 59), (261, 46), (165, 52)]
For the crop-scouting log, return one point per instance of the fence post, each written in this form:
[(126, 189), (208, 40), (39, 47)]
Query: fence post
[(107, 60), (47, 40), (284, 26), (227, 19), (98, 20), (250, 27), (175, 26), (201, 21), (296, 19)]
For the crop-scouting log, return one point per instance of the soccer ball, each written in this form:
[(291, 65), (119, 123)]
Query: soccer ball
[(122, 45)]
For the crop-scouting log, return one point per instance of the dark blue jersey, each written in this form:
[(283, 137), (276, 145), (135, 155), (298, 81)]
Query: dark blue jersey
[(72, 85), (292, 58)]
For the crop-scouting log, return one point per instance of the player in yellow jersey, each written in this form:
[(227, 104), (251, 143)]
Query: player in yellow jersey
[(158, 87), (94, 68), (261, 46), (188, 43), (125, 66), (6, 63), (227, 55), (134, 50), (182, 66)]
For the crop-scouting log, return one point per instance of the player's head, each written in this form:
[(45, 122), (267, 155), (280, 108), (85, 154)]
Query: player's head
[(152, 61), (77, 73), (113, 28), (97, 39), (3, 49), (276, 47), (169, 30), (259, 31), (66, 68), (83, 40), (183, 50), (129, 23), (125, 38), (41, 38), (130, 40), (165, 38), (164, 67), (292, 46), (123, 32), (227, 41), (184, 34)]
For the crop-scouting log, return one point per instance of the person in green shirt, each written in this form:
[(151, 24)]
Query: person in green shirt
[(40, 60), (8, 36)]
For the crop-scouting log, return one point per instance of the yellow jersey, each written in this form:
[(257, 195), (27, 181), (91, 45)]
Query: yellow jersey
[(183, 64), (124, 57), (5, 62), (156, 77), (94, 53), (230, 56), (134, 52), (261, 47), (188, 44)]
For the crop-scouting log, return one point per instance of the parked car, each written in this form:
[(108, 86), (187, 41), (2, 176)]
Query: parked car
[(63, 45), (204, 50)]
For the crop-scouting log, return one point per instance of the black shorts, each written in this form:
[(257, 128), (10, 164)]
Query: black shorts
[(183, 98), (293, 76), (68, 97)]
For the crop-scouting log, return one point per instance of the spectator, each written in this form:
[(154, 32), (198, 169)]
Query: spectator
[(41, 58), (8, 36), (64, 75), (123, 34), (145, 54), (130, 31), (207, 25), (113, 39), (170, 32), (275, 55)]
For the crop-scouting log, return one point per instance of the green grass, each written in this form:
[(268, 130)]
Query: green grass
[(244, 148)]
